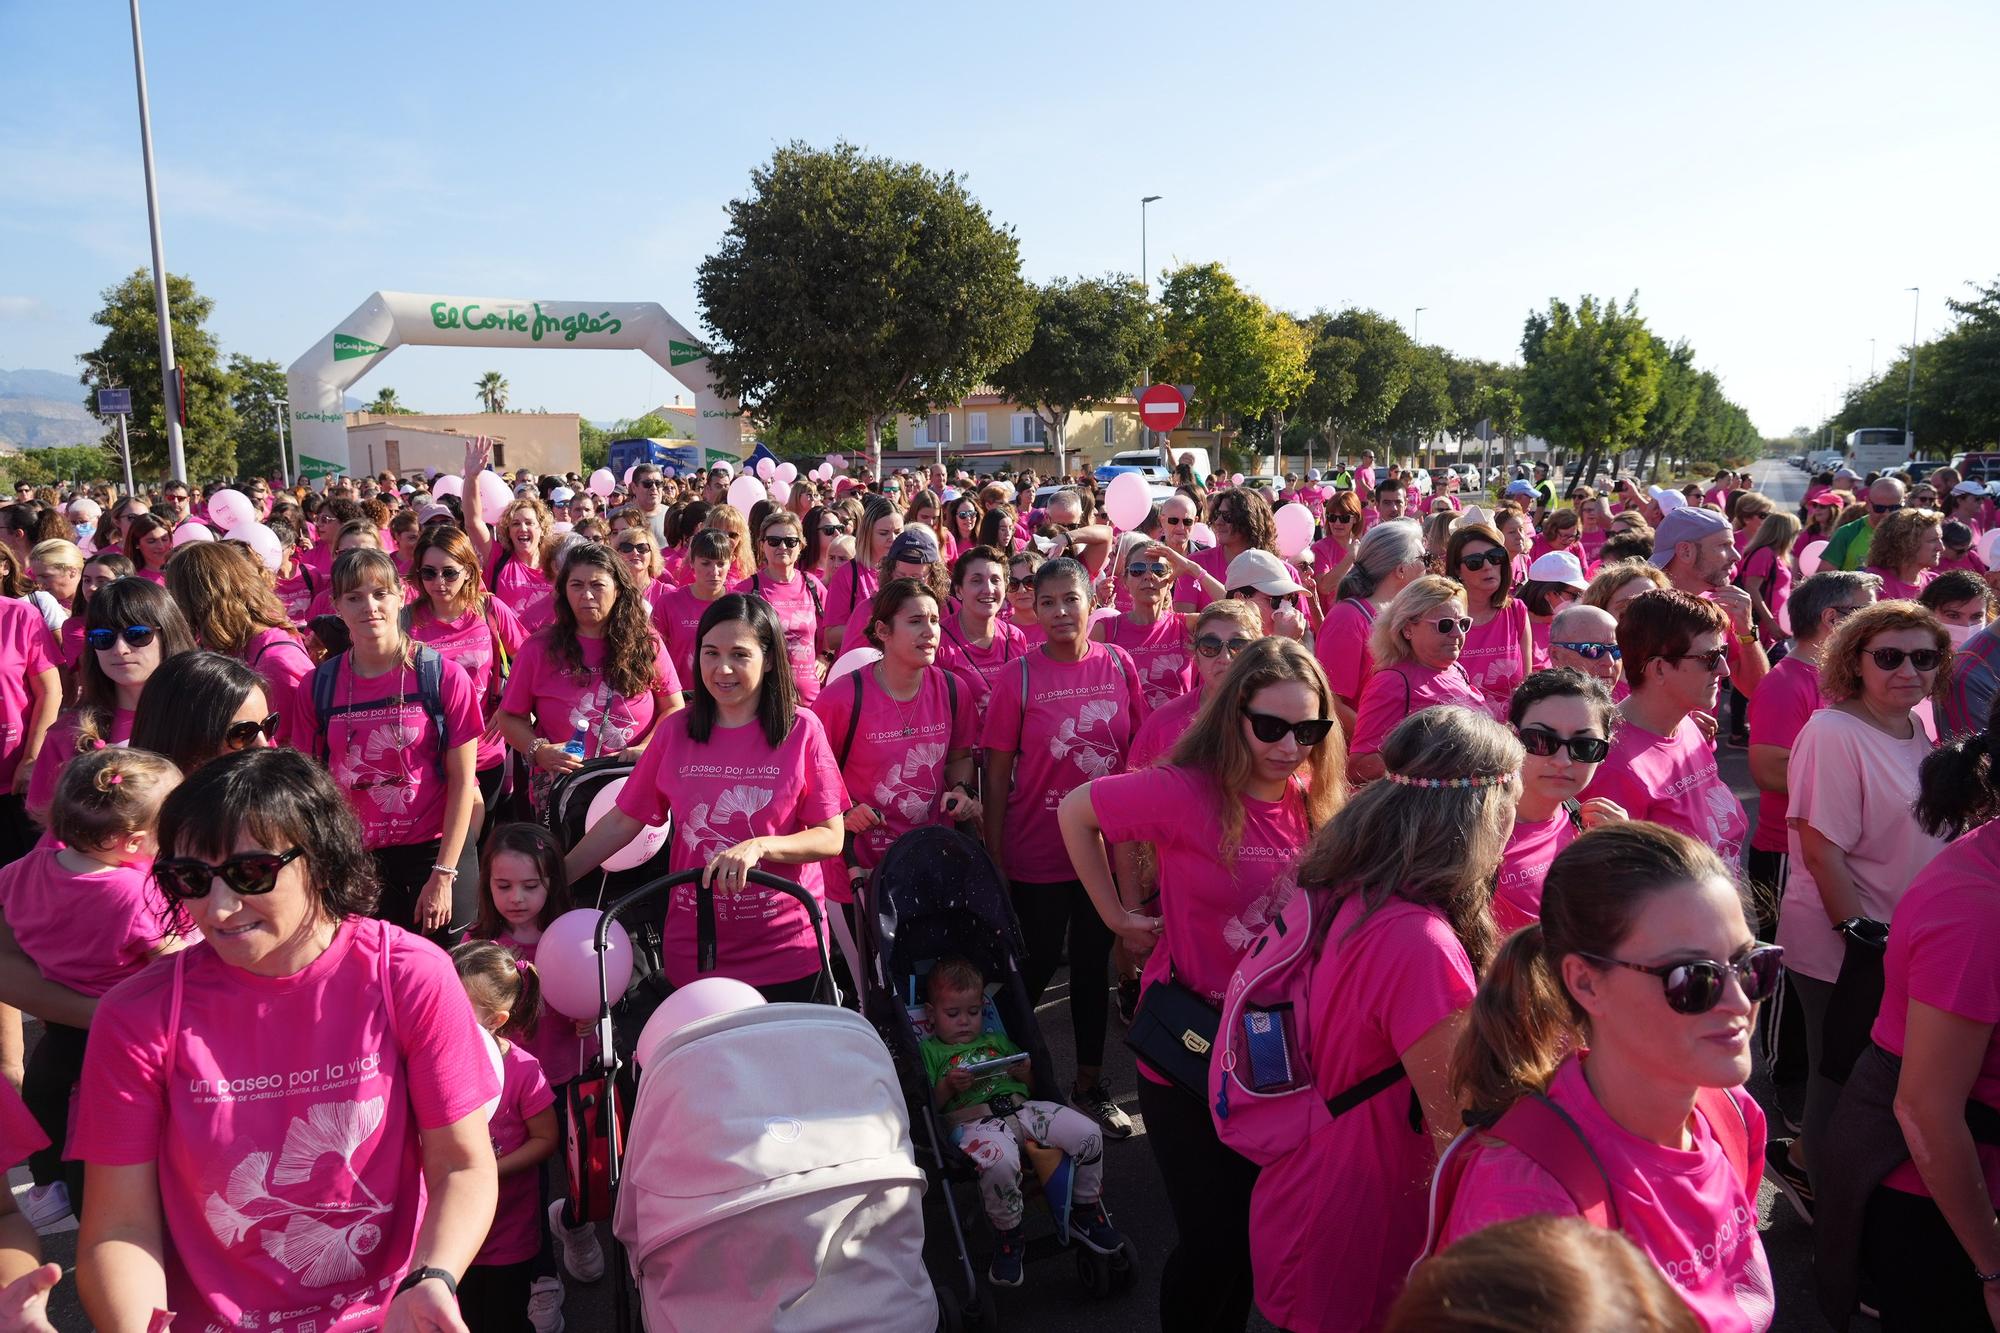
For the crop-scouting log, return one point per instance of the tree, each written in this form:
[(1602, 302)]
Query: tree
[(492, 390), (259, 387), (61, 465), (387, 404), (1360, 367), (1245, 360), (1091, 340), (129, 358), (1672, 414), (848, 288), (1425, 405), (1590, 376), (593, 446)]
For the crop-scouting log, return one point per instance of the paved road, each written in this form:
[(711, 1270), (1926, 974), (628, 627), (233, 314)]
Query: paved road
[(1053, 1300)]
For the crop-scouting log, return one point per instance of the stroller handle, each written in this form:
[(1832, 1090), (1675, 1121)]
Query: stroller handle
[(704, 913)]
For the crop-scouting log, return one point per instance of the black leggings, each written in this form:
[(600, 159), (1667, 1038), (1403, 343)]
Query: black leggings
[(493, 1298), (404, 872), (1048, 913), (1922, 1277), (54, 1067), (1205, 1283)]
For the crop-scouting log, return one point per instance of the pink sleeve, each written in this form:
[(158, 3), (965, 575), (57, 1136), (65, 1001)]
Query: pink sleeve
[(1146, 805), (642, 796), (512, 633), (1384, 703), (462, 722), (1428, 979), (663, 662), (1135, 696), (1499, 1185), (1826, 777), (519, 696), (1777, 713), (825, 792), (283, 666), (964, 721), (538, 1096), (1344, 660), (1003, 710), (58, 748), (43, 651), (444, 1052), (19, 1134), (121, 1102), (1618, 786), (1955, 963), (832, 709)]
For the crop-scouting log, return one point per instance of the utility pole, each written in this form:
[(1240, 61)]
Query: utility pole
[(169, 397), (1910, 393), (1146, 440), (284, 463)]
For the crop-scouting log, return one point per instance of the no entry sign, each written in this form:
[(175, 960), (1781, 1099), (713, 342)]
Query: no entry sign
[(1161, 407)]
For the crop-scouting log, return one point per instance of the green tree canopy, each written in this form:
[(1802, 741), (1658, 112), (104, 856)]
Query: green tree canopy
[(1091, 340), (129, 358), (385, 403), (258, 385), (1590, 375), (492, 390), (62, 464), (1956, 404), (849, 288), (1244, 359), (1360, 367), (1425, 407)]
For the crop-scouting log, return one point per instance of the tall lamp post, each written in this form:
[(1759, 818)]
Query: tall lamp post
[(1910, 392), (1146, 276), (281, 406), (1416, 324), (169, 398)]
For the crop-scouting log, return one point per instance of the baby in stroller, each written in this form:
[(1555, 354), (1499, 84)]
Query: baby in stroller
[(980, 1080)]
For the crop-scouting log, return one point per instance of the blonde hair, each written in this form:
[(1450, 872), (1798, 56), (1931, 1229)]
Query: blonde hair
[(56, 551), (1386, 642), (1236, 610), (728, 518)]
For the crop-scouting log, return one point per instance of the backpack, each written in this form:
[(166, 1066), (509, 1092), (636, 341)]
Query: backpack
[(1553, 1141), (430, 696), (1262, 1095)]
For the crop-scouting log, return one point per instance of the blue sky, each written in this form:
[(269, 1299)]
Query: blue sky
[(1770, 177)]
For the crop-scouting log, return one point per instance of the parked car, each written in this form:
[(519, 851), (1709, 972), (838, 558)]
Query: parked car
[(1981, 467)]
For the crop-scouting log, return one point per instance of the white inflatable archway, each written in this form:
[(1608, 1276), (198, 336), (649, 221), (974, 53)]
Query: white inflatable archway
[(385, 321)]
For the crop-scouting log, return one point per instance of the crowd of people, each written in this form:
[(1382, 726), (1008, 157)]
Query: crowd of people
[(274, 868)]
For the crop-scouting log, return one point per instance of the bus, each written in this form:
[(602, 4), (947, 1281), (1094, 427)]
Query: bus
[(1877, 449)]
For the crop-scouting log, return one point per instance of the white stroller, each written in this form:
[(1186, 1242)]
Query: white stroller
[(768, 1180)]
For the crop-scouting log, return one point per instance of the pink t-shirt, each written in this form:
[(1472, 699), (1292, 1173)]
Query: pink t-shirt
[(1895, 587), (319, 559), (1684, 1207), (1328, 552), (852, 588), (1337, 1224), (86, 930), (1672, 780), (1161, 651), (557, 1048), (733, 787), (298, 592), (676, 617), (979, 667), (896, 765), (27, 649), (526, 591), (564, 705), (1163, 729), (1342, 647), (153, 576), (58, 748), (69, 644), (516, 1233), (469, 641), (276, 655), (798, 605), (20, 1136), (1077, 724), (1777, 576), (384, 752), (283, 1114), (1493, 658), (1944, 951), (1854, 783), (1402, 689), (1517, 891), (1778, 711)]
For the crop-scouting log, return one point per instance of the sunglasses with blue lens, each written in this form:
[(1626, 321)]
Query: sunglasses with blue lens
[(138, 636)]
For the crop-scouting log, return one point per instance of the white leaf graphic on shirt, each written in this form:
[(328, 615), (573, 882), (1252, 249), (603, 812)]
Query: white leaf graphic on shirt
[(320, 1254), (322, 1241), (330, 1127), (376, 755), (706, 828), (1721, 816), (1163, 676), (227, 1212), (602, 715), (912, 785), (1242, 930)]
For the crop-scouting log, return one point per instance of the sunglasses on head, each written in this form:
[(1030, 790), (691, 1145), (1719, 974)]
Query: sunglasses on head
[(1696, 986), (1543, 743), (138, 636), (1591, 652), (241, 734), (1481, 559), (1891, 659), (1157, 568), (248, 874), (1270, 728), (778, 543), (439, 573), (1454, 625), (1214, 645)]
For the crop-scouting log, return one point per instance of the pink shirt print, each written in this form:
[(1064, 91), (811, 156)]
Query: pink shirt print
[(1161, 651)]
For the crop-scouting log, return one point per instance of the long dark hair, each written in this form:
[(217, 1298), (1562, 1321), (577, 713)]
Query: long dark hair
[(187, 704), (140, 526), (538, 845), (629, 666), (122, 602), (777, 698), (1956, 788)]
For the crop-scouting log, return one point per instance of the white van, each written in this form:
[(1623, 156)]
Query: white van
[(1159, 464)]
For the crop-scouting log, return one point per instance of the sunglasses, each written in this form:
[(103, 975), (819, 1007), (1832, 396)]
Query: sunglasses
[(635, 548), (1270, 728), (1214, 645), (1713, 661), (965, 516), (1278, 601), (1583, 749), (1173, 522), (1695, 987), (783, 543), (1015, 585), (439, 573), (136, 635), (1481, 559), (1591, 652), (831, 530), (649, 485), (241, 734), (1885, 509), (248, 874), (1340, 518), (1449, 625), (1158, 568), (1890, 659)]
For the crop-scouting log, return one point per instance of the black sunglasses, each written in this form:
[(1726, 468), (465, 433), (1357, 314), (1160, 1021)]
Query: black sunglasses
[(1481, 559), (1695, 987), (439, 573), (1155, 567), (1884, 509), (241, 734), (1270, 728), (1459, 625), (1712, 661), (1340, 518), (783, 543), (1173, 522), (1890, 659), (1214, 645), (1583, 749), (1590, 652), (136, 635), (635, 548), (831, 530), (1015, 585), (248, 874)]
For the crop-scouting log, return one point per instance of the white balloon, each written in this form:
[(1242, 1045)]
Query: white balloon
[(1989, 549), (645, 844), (745, 492), (602, 483), (853, 660), (766, 468), (1127, 501), (1295, 529), (231, 510), (1202, 533), (788, 472), (264, 542), (781, 490), (190, 532), (494, 494), (836, 462), (1810, 558), (449, 484)]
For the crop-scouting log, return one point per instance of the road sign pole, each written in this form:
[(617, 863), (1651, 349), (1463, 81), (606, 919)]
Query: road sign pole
[(170, 400), (125, 453), (284, 465)]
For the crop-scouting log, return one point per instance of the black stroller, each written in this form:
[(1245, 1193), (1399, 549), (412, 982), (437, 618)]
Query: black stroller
[(936, 893)]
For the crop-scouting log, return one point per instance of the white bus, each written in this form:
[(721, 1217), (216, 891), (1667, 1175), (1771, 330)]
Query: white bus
[(1877, 449)]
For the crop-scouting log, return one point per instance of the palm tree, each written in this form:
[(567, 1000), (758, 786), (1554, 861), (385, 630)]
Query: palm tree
[(492, 390), (386, 404)]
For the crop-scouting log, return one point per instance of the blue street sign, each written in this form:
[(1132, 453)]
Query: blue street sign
[(114, 402)]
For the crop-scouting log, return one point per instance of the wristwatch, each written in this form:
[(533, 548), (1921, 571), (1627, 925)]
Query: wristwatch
[(425, 1274)]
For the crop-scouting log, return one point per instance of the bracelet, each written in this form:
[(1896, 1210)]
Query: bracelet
[(419, 1276), (1986, 1277), (450, 872)]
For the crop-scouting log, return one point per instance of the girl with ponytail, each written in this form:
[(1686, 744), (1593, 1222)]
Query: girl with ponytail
[(1628, 1007)]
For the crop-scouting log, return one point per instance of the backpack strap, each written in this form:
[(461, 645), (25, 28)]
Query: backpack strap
[(1724, 1116), (1547, 1136), (853, 720), (430, 697), (1574, 809), (1379, 1081)]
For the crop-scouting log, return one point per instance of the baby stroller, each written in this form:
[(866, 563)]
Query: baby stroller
[(936, 893), (770, 1181)]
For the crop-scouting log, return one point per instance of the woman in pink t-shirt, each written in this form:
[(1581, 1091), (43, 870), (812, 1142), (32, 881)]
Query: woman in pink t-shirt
[(1385, 562), (1064, 715), (454, 614), (1156, 637), (977, 643), (1766, 574), (148, 543), (1593, 519), (231, 609), (1905, 551), (799, 598), (676, 614), (1402, 874), (516, 548), (856, 584), (1415, 643), (406, 761), (751, 783), (1344, 526), (913, 554), (1629, 1006), (1563, 719), (1497, 649), (1021, 567), (1226, 816), (641, 554), (1222, 630), (285, 1120), (961, 525)]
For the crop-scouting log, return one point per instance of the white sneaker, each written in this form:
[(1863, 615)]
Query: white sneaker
[(582, 1256), (545, 1305), (47, 1207)]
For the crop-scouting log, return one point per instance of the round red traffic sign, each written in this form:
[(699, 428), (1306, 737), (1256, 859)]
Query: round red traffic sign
[(1161, 407)]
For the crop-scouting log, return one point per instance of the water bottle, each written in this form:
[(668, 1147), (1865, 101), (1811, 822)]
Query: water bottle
[(574, 745)]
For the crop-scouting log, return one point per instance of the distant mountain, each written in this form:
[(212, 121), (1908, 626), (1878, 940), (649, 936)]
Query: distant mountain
[(39, 408), (38, 384)]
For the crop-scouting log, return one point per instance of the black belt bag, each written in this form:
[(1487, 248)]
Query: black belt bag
[(1174, 1031)]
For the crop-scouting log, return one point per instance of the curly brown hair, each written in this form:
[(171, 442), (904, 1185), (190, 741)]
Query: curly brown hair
[(1840, 657), (1894, 545)]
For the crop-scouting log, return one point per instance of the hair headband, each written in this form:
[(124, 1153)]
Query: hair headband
[(1476, 780)]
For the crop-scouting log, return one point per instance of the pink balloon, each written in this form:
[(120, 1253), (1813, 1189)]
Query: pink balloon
[(494, 493), (448, 484), (1785, 619), (628, 475), (766, 468), (264, 542), (1989, 549), (1295, 530), (567, 961), (645, 844), (231, 510), (836, 462), (1202, 533), (602, 483), (853, 660), (781, 490), (187, 534), (1127, 501), (745, 492), (1810, 558), (704, 997), (1236, 480), (788, 472)]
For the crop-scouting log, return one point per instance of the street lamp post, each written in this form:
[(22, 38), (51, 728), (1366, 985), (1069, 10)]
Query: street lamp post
[(284, 463), (1417, 323), (169, 399), (1146, 276), (1910, 392)]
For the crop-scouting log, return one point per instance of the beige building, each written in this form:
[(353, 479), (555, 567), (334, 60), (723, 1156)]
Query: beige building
[(986, 426), (543, 442)]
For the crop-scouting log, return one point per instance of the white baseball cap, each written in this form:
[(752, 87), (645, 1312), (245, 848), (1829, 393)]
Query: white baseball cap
[(1558, 567)]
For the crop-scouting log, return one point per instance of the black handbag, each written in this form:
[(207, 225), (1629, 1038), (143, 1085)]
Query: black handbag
[(1857, 997), (1173, 1030)]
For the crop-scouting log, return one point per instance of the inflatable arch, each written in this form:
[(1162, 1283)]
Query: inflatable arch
[(385, 321)]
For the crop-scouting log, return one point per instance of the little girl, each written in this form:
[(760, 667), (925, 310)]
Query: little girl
[(80, 915), (507, 997)]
